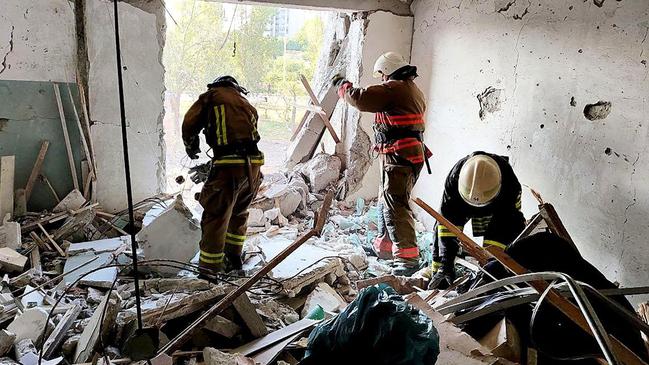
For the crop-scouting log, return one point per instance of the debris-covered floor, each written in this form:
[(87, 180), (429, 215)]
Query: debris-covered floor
[(68, 294)]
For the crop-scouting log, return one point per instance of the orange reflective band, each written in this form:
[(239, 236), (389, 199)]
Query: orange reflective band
[(407, 119), (407, 253)]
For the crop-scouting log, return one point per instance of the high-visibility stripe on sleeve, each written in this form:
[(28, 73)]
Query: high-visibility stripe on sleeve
[(211, 258), (436, 265), (217, 116), (234, 239), (224, 129), (442, 231), (518, 202), (495, 243), (407, 253)]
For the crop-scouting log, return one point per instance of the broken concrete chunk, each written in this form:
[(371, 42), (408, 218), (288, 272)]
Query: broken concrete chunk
[(326, 297), (70, 345), (11, 260), (88, 340), (256, 218), (173, 235), (7, 340), (321, 171), (222, 326), (212, 356), (73, 201), (29, 325), (98, 246), (10, 235), (101, 278), (26, 354)]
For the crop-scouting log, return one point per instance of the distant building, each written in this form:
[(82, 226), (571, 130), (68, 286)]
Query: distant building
[(278, 25)]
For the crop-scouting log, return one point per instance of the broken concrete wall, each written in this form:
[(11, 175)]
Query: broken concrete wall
[(543, 65), (38, 47), (142, 39), (379, 32)]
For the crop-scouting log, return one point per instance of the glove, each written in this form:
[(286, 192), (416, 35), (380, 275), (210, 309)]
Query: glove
[(193, 149), (435, 266), (199, 173), (442, 280), (338, 80)]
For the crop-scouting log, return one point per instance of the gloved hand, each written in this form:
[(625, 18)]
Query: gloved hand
[(193, 149), (199, 173), (442, 280), (338, 80)]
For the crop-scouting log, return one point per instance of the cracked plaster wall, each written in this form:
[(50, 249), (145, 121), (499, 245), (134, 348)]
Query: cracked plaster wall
[(541, 56), (142, 40)]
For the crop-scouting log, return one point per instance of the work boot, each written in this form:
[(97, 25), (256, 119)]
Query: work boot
[(383, 247), (442, 280), (403, 267)]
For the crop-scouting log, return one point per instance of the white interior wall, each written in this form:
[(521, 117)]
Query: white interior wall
[(143, 75), (541, 56), (37, 40)]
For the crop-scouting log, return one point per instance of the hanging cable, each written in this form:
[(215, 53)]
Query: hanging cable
[(127, 168)]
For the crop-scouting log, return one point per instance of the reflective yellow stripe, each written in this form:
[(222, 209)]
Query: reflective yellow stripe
[(233, 243), (217, 115), (224, 130), (254, 161), (207, 254), (436, 265), (235, 237), (211, 261), (495, 243)]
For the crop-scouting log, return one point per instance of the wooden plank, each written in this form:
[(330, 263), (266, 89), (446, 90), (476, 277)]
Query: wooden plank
[(553, 221), (119, 230), (267, 356), (7, 167), (323, 115), (534, 222), (275, 337), (49, 185), (84, 141), (224, 303), (66, 136), (58, 334), (36, 170), (35, 259), (300, 126), (49, 238), (250, 316), (42, 244), (562, 304), (86, 125)]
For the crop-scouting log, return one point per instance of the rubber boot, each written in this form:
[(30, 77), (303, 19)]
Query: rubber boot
[(383, 247), (403, 267)]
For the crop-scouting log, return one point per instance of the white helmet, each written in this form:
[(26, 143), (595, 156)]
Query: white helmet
[(480, 180), (387, 63)]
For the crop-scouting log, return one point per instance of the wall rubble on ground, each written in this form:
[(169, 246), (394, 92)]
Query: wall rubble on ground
[(545, 64)]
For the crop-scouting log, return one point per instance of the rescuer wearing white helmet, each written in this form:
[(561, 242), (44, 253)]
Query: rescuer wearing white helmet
[(399, 108), (481, 187)]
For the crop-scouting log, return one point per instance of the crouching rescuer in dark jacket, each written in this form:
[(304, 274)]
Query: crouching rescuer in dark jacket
[(229, 123), (399, 108), (481, 187)]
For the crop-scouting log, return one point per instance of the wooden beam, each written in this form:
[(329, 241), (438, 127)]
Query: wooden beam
[(42, 244), (323, 115), (570, 310), (84, 142), (224, 303), (66, 136), (86, 125), (7, 170), (553, 221), (35, 259), (51, 188), (36, 170), (49, 238)]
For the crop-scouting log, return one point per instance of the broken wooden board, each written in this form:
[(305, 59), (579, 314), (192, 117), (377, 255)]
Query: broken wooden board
[(275, 337), (36, 170), (323, 115), (503, 340), (90, 336), (73, 201), (66, 136), (7, 166), (11, 260), (250, 316), (58, 334)]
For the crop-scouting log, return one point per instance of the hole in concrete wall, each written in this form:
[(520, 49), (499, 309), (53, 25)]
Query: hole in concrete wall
[(490, 101), (608, 151), (597, 111), (265, 48), (599, 3), (3, 123), (573, 102)]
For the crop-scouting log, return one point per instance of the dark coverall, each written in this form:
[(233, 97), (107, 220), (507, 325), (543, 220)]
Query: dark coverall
[(499, 222), (229, 123), (399, 108)]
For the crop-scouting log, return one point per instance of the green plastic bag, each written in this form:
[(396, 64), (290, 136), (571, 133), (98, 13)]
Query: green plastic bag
[(377, 328)]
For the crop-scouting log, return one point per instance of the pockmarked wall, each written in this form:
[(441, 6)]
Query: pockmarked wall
[(562, 88)]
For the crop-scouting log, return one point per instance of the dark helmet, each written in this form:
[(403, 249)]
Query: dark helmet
[(227, 81)]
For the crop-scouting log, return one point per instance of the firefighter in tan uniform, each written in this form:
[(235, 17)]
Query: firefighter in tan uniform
[(229, 123), (399, 108)]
